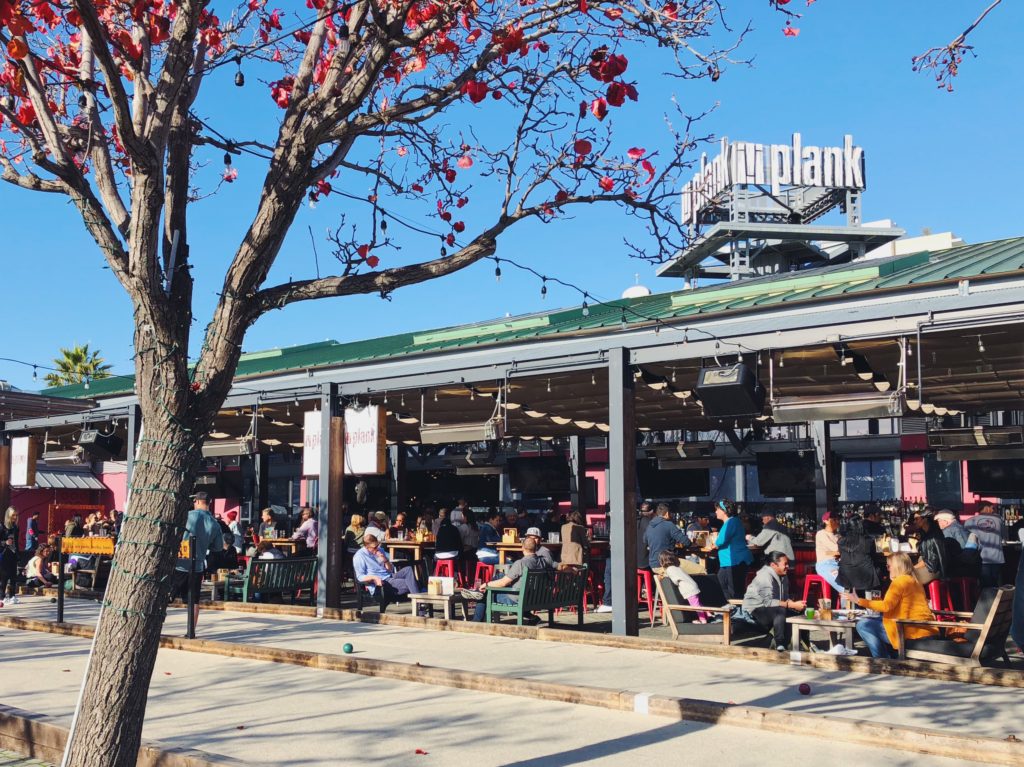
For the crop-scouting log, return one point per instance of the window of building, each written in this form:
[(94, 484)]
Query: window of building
[(868, 479)]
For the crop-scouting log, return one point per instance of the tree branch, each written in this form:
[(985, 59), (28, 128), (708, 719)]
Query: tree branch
[(946, 59), (138, 150), (29, 180), (383, 282)]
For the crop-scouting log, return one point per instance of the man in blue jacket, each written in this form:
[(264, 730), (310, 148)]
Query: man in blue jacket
[(202, 524), (661, 535)]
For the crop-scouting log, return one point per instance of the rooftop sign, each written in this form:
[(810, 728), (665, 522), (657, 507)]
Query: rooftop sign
[(773, 166)]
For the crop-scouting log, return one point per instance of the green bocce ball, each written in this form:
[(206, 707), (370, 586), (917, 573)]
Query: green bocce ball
[(346, 648)]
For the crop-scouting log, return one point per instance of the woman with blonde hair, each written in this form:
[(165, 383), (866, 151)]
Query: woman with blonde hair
[(904, 600), (11, 525), (354, 534)]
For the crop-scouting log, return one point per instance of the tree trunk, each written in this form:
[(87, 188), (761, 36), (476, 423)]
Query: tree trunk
[(109, 727)]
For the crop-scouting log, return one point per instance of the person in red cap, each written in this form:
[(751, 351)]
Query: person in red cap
[(826, 548), (236, 530)]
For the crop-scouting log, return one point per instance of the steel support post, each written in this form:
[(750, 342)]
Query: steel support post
[(261, 482), (622, 492), (824, 484), (396, 480), (329, 503)]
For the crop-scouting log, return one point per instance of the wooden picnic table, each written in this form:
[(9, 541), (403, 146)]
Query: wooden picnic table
[(286, 545), (416, 548), (446, 602), (506, 549), (801, 623)]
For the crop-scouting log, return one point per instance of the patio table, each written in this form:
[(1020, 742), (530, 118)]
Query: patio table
[(802, 623)]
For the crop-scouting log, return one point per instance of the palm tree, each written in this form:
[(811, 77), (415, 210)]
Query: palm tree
[(76, 365)]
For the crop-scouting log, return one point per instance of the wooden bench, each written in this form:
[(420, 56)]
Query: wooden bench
[(273, 576), (978, 641), (726, 632), (98, 573), (541, 590)]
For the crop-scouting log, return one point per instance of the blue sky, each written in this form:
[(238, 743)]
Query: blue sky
[(945, 161)]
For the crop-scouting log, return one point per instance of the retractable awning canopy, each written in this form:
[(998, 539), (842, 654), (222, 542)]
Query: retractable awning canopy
[(16, 405), (48, 478)]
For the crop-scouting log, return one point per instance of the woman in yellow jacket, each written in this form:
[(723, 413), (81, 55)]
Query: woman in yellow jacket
[(905, 599)]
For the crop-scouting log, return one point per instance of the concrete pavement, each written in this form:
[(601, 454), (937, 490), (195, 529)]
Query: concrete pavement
[(966, 709), (266, 713)]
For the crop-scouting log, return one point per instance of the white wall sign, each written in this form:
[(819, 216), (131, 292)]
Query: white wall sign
[(23, 462), (311, 444), (365, 445), (773, 165)]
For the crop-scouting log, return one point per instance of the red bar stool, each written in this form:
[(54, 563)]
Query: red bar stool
[(967, 588), (939, 596), (645, 591), (484, 573), (446, 568), (816, 580)]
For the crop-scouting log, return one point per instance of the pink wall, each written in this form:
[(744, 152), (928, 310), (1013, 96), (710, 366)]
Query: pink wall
[(912, 472), (116, 495)]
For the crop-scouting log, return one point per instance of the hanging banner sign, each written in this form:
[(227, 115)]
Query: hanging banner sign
[(772, 166), (365, 440), (311, 444), (104, 546), (24, 452)]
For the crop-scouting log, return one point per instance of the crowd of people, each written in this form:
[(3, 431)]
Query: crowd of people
[(845, 555)]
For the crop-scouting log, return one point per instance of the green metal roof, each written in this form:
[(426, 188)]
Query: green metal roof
[(914, 270)]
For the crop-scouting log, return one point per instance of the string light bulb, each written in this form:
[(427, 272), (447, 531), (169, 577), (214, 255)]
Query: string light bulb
[(622, 319), (981, 346), (544, 288), (83, 101), (227, 159), (86, 384), (239, 77), (586, 308), (497, 271), (35, 373)]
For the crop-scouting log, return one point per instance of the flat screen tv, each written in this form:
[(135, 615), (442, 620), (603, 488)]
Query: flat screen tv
[(539, 475), (1003, 478), (671, 483), (785, 474)]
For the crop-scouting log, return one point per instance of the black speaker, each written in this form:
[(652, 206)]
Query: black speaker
[(730, 391), (102, 446)]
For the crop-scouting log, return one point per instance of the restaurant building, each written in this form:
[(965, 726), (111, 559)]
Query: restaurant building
[(824, 366)]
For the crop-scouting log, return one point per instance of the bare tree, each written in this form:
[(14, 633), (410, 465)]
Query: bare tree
[(944, 60), (98, 103)]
